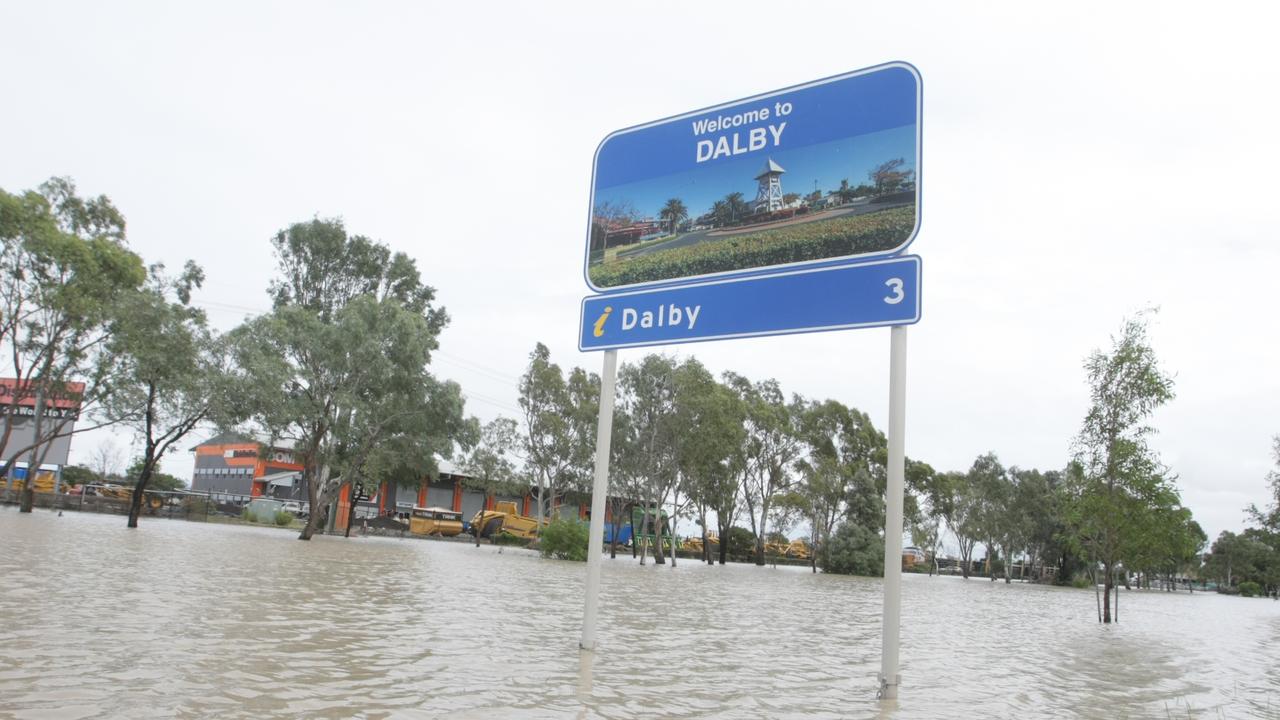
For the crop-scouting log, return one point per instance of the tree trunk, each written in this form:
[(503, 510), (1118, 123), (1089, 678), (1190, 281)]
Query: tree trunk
[(139, 488), (315, 479), (658, 557), (1097, 599), (1126, 587), (1108, 580), (724, 538), (672, 530), (354, 498)]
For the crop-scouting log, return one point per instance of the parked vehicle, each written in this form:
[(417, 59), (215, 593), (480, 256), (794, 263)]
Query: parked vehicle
[(435, 521)]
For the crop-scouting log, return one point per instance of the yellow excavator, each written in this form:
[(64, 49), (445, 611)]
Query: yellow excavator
[(504, 518), (798, 549)]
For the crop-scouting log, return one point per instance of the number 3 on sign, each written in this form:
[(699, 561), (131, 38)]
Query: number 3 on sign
[(894, 284)]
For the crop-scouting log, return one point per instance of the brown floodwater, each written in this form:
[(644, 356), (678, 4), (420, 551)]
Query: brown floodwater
[(195, 620)]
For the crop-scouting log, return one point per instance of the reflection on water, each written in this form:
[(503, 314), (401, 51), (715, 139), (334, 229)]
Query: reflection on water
[(185, 619)]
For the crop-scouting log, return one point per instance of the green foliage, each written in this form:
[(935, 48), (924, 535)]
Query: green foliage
[(838, 471), (283, 518), (246, 515), (559, 424), (64, 269), (1119, 492), (78, 475), (488, 464), (855, 550), (506, 538), (1249, 588), (741, 541), (565, 540), (339, 366), (816, 240), (159, 480)]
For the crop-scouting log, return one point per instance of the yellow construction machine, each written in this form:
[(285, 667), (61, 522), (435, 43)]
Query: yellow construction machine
[(798, 549), (504, 518)]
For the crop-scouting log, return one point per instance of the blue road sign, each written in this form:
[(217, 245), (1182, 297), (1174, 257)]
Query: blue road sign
[(817, 174), (871, 294)]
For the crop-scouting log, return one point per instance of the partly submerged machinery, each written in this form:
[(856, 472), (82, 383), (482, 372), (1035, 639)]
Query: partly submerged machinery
[(435, 521), (504, 518)]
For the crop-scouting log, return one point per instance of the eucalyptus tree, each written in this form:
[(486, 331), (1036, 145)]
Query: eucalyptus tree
[(339, 367), (837, 472), (490, 464), (559, 425), (1121, 479), (709, 430), (64, 267), (1039, 500), (958, 504), (990, 490), (773, 444), (169, 372), (647, 393)]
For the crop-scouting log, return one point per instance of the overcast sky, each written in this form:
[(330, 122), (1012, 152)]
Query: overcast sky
[(1079, 164)]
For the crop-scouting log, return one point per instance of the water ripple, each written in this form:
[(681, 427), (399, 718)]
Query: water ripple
[(188, 620)]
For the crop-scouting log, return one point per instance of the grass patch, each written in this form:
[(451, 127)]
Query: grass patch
[(819, 240)]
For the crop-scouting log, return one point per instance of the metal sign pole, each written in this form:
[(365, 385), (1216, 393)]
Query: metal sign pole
[(889, 677), (595, 545)]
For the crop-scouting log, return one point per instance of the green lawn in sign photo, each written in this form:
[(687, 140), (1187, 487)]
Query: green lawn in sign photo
[(817, 240)]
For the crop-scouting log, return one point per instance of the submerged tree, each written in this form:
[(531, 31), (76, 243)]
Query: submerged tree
[(559, 427), (168, 371), (772, 446), (64, 268), (1121, 480), (339, 367)]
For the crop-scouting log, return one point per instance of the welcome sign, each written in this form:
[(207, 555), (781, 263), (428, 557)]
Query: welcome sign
[(815, 175)]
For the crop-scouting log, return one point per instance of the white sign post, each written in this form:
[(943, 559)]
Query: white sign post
[(891, 622), (599, 490)]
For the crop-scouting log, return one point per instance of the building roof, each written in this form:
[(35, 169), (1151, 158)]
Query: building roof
[(770, 168), (282, 479), (238, 438)]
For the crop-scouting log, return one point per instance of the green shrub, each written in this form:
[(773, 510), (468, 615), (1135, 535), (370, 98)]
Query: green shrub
[(741, 541), (246, 515), (565, 540), (855, 550), (1081, 581), (283, 518), (506, 538), (1249, 588), (836, 237)]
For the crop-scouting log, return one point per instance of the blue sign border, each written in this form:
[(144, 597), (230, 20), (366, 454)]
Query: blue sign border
[(771, 269), (664, 295)]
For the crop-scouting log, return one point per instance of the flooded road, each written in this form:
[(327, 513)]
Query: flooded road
[(185, 619)]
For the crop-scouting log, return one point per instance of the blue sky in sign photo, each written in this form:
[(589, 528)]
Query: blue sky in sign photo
[(821, 166)]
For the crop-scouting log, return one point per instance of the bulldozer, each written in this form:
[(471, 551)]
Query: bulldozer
[(504, 518)]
